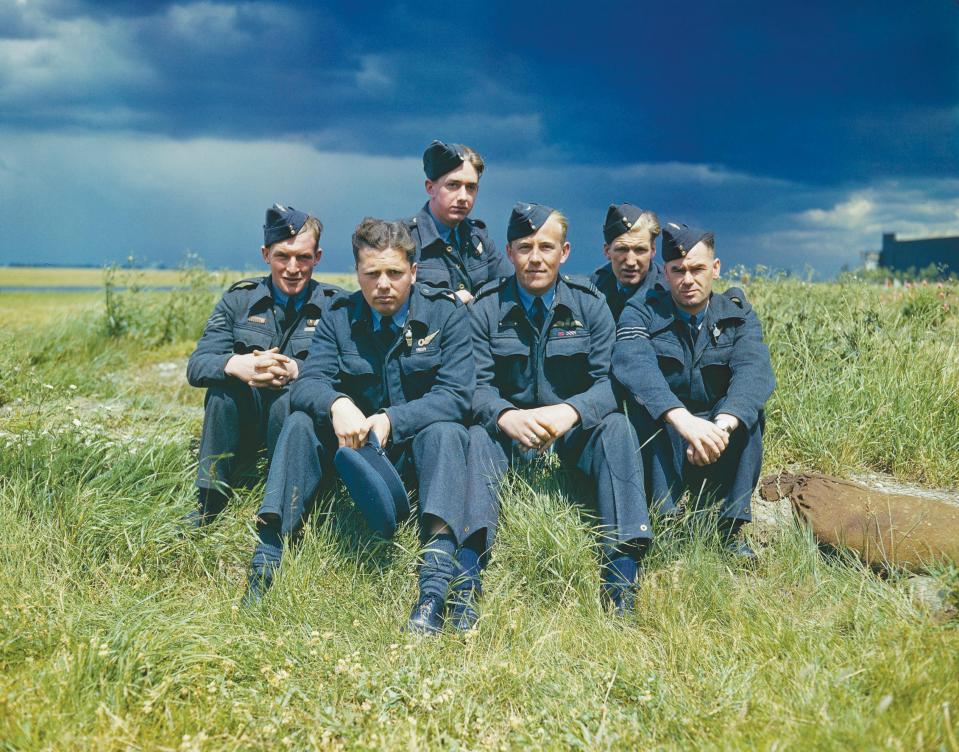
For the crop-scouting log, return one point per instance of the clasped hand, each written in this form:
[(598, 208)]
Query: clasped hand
[(707, 440), (538, 427), (268, 369)]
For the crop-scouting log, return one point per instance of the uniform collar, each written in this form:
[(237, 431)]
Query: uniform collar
[(562, 298), (444, 233), (527, 299), (281, 299), (399, 318)]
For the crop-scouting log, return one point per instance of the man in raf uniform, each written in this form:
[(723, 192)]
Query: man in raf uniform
[(698, 374), (543, 343), (630, 234), (390, 363), (453, 250), (252, 349)]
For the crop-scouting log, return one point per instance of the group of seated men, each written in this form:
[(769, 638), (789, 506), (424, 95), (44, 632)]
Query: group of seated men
[(454, 361)]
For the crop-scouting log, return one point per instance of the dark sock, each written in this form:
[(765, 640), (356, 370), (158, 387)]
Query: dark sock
[(269, 550), (438, 566), (210, 503), (622, 567), (729, 527), (468, 570)]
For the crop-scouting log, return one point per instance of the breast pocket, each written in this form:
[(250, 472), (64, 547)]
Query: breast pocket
[(714, 366), (300, 345), (567, 364), (432, 272), (247, 338), (354, 366), (419, 372), (510, 363)]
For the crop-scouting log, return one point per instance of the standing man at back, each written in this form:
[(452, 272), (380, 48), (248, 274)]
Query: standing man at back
[(453, 251), (698, 375), (252, 349), (630, 234)]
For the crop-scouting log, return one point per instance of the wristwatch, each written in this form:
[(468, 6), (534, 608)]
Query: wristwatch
[(724, 425)]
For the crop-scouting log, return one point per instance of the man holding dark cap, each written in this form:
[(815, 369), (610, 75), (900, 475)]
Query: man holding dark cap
[(543, 342), (391, 362), (698, 374), (453, 250), (252, 349), (630, 234)]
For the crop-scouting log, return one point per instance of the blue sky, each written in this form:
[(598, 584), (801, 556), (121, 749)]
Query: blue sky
[(797, 132)]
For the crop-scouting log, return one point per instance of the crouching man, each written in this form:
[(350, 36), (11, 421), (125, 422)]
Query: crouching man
[(698, 375), (390, 367), (252, 349), (543, 343)]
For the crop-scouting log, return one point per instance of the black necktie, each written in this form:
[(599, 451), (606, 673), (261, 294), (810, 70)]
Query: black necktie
[(693, 328), (538, 317), (386, 333)]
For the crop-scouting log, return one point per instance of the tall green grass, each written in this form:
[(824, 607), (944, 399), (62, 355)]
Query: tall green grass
[(118, 633)]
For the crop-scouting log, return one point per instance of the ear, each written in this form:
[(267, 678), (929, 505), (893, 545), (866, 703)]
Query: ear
[(266, 253), (716, 269), (565, 255), (429, 188), (413, 272), (606, 251)]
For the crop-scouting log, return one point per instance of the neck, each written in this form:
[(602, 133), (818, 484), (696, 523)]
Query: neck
[(436, 218), (692, 310)]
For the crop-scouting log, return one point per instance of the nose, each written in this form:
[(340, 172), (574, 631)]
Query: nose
[(291, 265), (383, 281)]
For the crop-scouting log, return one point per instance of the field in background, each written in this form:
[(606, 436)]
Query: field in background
[(117, 633)]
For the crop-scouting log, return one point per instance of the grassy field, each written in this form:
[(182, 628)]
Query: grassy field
[(117, 633)]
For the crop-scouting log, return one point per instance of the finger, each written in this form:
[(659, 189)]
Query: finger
[(281, 358)]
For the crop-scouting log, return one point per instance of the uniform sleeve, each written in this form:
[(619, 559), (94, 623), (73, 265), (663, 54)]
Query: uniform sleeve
[(751, 380), (449, 397), (208, 361), (488, 404), (314, 391), (635, 365), (598, 401)]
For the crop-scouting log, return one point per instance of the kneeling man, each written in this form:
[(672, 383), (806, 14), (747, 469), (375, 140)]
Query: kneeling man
[(698, 374), (543, 343), (252, 349), (390, 364)]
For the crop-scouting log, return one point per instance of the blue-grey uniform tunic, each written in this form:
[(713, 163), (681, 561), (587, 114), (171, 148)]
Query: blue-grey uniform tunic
[(464, 258), (616, 295), (567, 362), (725, 369), (422, 379), (238, 419)]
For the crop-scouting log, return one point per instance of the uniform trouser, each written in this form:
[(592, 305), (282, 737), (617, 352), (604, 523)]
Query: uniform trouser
[(303, 466), (607, 455), (729, 482), (238, 421)]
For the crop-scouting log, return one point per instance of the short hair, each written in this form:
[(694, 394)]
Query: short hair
[(472, 156), (647, 221), (563, 222), (379, 235)]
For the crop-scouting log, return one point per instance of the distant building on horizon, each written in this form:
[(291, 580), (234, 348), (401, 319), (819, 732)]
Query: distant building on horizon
[(915, 255)]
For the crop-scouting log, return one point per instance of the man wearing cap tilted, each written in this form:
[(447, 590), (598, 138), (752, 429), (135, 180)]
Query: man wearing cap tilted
[(543, 342), (453, 250), (252, 349), (698, 374), (387, 383), (630, 245)]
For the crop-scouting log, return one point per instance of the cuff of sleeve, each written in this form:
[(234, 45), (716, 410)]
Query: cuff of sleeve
[(400, 429), (588, 417), (747, 418), (497, 408), (659, 407)]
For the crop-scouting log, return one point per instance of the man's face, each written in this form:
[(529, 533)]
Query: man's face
[(292, 261), (452, 195), (537, 257), (630, 256), (385, 278), (691, 278)]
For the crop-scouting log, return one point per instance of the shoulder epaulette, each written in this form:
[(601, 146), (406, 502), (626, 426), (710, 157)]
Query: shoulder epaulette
[(244, 284), (340, 299), (437, 293), (737, 296), (582, 283), (476, 223), (490, 287)]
